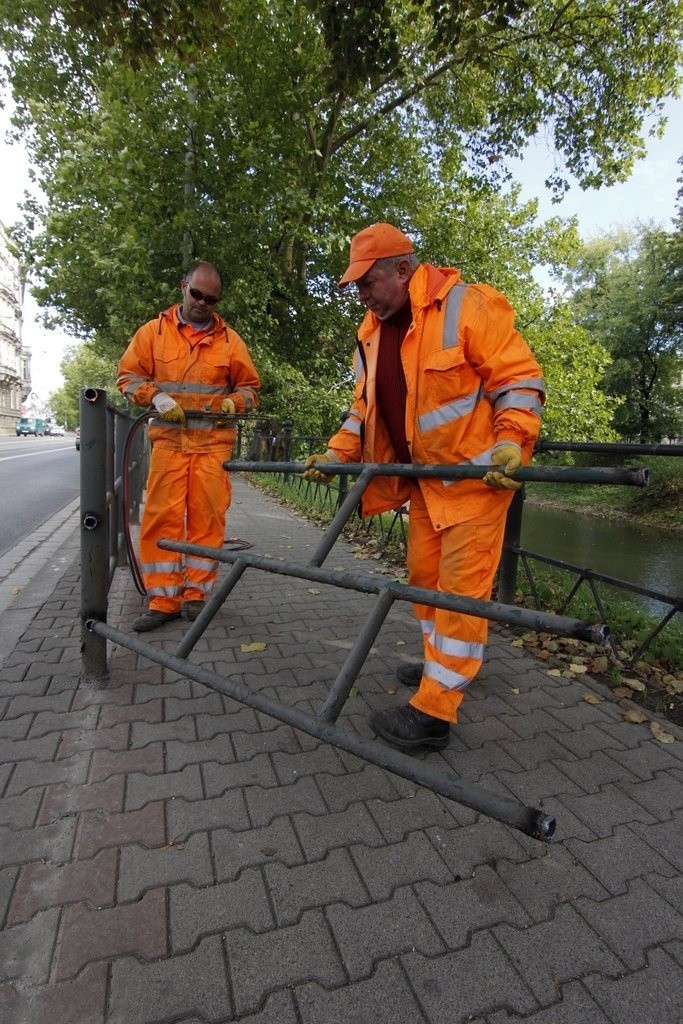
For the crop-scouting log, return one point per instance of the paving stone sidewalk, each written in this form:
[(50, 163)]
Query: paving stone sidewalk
[(170, 855)]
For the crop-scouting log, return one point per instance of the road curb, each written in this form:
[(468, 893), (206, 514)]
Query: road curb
[(31, 570)]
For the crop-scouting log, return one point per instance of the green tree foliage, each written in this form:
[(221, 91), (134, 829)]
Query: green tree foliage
[(674, 266), (263, 134), (622, 297), (573, 367), (83, 367)]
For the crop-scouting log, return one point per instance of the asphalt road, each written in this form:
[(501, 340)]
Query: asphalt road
[(38, 477)]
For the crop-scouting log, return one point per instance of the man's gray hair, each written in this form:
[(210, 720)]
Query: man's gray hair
[(391, 262)]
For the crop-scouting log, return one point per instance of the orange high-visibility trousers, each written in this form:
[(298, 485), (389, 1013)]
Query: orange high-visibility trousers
[(188, 494), (461, 559)]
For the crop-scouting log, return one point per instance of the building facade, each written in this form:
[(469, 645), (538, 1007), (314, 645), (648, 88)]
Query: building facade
[(15, 358)]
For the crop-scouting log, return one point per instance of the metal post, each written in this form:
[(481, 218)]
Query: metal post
[(287, 444), (121, 429), (343, 482), (135, 470), (340, 520), (112, 510), (507, 574), (94, 540), (341, 688), (343, 491)]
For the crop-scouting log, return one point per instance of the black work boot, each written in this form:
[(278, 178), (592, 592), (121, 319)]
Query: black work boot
[(410, 673), (152, 620), (193, 609), (407, 728)]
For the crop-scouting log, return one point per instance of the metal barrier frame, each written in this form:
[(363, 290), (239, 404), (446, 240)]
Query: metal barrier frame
[(104, 432), (527, 819)]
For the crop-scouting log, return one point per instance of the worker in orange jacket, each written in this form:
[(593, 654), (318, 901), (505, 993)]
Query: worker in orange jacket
[(186, 364), (442, 376)]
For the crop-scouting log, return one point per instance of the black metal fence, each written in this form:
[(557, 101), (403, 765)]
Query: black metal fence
[(264, 443)]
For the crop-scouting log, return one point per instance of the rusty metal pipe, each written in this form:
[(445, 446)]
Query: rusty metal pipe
[(528, 474), (512, 615)]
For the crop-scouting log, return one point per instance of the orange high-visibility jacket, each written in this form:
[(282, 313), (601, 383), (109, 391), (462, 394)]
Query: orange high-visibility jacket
[(472, 381), (198, 376)]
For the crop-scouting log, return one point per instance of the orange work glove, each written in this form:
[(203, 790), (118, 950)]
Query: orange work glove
[(168, 409), (508, 456), (315, 475)]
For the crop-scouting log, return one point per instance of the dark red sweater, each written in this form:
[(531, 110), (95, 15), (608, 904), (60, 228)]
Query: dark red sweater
[(391, 381)]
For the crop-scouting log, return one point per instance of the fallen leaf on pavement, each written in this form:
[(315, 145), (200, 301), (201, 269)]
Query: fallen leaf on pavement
[(621, 691), (592, 698), (660, 734), (635, 717), (251, 648)]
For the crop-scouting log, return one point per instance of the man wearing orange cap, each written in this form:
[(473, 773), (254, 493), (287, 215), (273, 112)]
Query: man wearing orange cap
[(442, 376)]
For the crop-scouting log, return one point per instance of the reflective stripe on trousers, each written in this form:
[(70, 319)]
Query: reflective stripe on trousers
[(461, 560), (187, 497)]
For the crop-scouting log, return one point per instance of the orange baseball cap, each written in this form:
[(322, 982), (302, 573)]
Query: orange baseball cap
[(374, 243)]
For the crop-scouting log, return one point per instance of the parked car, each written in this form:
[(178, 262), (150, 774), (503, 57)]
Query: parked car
[(54, 429), (78, 439), (28, 425)]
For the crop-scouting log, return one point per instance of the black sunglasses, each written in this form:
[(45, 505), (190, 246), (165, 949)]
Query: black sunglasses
[(210, 300)]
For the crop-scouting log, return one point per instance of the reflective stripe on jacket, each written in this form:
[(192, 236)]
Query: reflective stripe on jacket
[(199, 369), (472, 381)]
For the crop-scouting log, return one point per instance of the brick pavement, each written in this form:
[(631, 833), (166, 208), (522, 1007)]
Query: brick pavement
[(169, 855)]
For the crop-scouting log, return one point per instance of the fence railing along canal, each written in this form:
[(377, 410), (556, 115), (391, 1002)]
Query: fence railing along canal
[(390, 530)]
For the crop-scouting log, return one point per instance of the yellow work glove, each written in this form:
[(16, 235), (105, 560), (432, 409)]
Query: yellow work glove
[(168, 409), (508, 456), (227, 409), (314, 475)]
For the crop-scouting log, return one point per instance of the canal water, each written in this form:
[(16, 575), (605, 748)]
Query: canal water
[(649, 558)]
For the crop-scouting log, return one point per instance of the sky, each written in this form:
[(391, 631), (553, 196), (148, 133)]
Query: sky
[(47, 347), (648, 195)]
